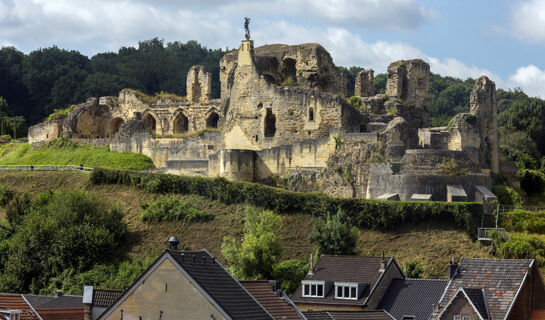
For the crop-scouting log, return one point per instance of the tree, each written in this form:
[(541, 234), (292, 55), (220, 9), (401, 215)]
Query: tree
[(379, 82), (260, 249), (335, 235)]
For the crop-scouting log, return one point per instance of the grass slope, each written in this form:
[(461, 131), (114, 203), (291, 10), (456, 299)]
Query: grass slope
[(63, 152), (431, 244)]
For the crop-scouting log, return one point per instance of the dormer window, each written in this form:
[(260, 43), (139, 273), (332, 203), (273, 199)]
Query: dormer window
[(313, 289), (346, 290)]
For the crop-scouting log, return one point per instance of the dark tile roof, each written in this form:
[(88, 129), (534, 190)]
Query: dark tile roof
[(478, 299), (347, 315), (105, 298), (275, 303), (62, 302), (500, 279), (220, 285), (61, 314), (414, 297), (343, 269), (10, 301), (36, 300)]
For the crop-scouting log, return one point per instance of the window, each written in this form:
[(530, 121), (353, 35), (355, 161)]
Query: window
[(457, 317), (310, 114), (315, 290), (465, 318), (346, 291)]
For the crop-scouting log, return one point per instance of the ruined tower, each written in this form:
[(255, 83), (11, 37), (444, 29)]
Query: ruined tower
[(364, 84), (409, 80), (199, 84), (483, 105)]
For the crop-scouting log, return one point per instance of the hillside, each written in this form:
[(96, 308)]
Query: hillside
[(431, 244)]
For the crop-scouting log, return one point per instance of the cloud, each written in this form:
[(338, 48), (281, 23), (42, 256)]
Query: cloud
[(530, 78), (528, 21)]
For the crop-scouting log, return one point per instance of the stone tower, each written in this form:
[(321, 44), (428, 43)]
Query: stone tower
[(364, 84), (483, 105), (409, 80), (199, 84)]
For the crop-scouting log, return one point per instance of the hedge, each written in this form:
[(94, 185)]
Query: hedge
[(364, 213)]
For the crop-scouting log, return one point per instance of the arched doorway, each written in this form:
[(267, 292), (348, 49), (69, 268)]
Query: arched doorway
[(181, 124), (270, 123), (310, 114), (212, 121), (115, 124), (150, 122)]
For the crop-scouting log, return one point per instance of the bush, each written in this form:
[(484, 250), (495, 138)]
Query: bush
[(523, 221), (413, 269), (335, 235), (290, 273), (532, 181), (508, 196), (168, 209), (363, 212), (522, 246)]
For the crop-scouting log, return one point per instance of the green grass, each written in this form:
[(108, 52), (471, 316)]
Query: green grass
[(63, 152)]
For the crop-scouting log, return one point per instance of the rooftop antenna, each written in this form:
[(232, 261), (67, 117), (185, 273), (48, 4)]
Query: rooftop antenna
[(247, 28), (174, 242)]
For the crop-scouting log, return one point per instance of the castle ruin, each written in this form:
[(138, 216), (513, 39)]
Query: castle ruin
[(283, 115)]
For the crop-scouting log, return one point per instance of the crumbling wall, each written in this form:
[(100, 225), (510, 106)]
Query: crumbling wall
[(45, 131), (483, 105), (199, 84), (364, 86)]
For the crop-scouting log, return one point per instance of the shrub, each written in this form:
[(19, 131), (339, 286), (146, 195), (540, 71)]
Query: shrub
[(290, 273), (168, 209), (532, 181), (522, 246), (413, 269), (290, 83), (363, 212), (335, 235), (260, 249), (355, 102), (508, 196), (523, 221)]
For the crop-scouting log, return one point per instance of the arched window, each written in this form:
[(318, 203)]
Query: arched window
[(310, 114), (212, 121), (150, 123), (270, 123), (181, 124)]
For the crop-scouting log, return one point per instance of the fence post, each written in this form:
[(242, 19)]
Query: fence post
[(31, 168)]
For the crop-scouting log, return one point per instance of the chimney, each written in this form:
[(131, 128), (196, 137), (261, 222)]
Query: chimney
[(382, 263), (174, 242), (452, 268), (311, 268), (58, 293), (275, 285), (87, 302)]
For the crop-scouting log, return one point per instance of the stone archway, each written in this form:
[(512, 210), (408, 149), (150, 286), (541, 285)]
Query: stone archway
[(150, 122), (212, 120), (115, 124), (181, 124)]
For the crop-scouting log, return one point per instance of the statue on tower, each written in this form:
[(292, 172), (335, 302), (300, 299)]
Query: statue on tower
[(247, 28)]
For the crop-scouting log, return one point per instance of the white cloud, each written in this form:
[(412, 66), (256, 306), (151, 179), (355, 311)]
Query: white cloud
[(530, 78), (528, 21)]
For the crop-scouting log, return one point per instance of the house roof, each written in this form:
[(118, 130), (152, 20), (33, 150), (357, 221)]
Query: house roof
[(61, 314), (478, 299), (220, 285), (344, 269), (414, 297), (105, 298), (347, 315), (276, 303), (60, 302), (10, 301), (212, 279), (500, 279)]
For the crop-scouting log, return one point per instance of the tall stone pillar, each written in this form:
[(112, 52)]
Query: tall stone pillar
[(483, 105), (364, 84), (199, 84)]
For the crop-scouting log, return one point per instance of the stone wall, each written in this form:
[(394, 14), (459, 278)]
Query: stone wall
[(364, 86), (199, 85), (45, 131)]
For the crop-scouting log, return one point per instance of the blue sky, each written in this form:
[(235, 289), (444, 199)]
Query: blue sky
[(502, 39)]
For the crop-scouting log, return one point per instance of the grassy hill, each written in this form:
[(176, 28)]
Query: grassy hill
[(431, 244), (65, 152)]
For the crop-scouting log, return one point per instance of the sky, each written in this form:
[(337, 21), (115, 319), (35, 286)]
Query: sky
[(502, 39)]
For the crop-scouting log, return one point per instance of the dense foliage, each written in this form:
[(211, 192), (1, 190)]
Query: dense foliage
[(169, 209), (362, 212), (55, 234), (335, 235), (52, 78)]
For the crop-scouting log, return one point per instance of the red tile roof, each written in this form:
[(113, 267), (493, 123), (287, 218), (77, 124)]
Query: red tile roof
[(11, 301), (273, 302)]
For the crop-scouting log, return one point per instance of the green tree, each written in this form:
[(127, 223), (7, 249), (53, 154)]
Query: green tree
[(260, 249), (290, 273), (379, 82), (335, 235)]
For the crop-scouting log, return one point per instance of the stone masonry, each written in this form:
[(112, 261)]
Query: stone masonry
[(364, 84)]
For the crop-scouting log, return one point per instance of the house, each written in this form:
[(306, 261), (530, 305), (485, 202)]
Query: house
[(412, 299), (16, 307), (56, 307), (347, 283), (492, 289), (186, 285), (270, 296), (96, 301), (348, 315)]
